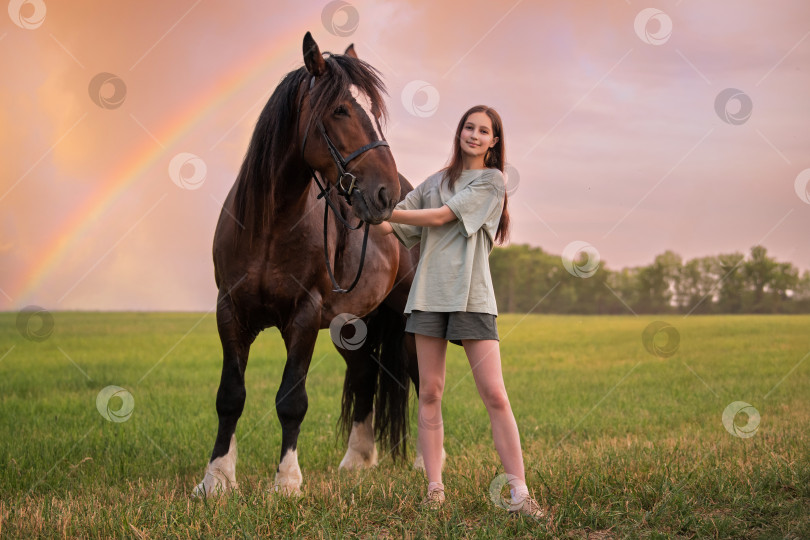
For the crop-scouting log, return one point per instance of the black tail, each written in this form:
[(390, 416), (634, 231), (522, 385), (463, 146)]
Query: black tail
[(386, 328), (391, 404)]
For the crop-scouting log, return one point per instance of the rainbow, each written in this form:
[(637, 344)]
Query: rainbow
[(283, 46)]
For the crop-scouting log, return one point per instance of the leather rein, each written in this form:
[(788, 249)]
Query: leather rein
[(341, 163)]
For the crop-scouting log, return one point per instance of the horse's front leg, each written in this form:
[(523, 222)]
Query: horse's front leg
[(220, 474), (300, 334)]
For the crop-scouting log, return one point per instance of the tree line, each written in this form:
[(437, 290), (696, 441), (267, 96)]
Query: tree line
[(528, 279)]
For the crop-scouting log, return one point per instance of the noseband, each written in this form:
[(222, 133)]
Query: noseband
[(341, 163)]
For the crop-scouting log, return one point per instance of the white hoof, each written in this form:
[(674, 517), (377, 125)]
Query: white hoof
[(419, 462), (288, 477), (362, 452), (220, 475)]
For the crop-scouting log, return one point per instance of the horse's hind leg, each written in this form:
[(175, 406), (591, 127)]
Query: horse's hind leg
[(358, 399), (220, 475)]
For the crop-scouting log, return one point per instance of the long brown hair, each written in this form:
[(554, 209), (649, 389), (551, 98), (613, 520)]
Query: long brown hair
[(494, 159)]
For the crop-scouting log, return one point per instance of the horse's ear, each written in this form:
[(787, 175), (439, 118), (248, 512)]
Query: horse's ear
[(313, 60), (350, 51)]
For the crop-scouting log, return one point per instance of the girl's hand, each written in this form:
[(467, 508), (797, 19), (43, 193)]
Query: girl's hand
[(385, 228)]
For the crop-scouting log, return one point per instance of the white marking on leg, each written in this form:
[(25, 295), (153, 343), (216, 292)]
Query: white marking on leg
[(362, 451), (288, 477), (220, 475)]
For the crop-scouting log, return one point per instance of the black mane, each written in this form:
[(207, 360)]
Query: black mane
[(275, 139)]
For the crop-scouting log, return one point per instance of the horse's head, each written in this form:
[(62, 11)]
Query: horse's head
[(339, 130)]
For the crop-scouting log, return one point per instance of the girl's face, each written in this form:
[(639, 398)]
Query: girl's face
[(476, 135)]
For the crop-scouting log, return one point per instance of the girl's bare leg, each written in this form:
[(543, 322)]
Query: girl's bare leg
[(485, 360), (430, 352)]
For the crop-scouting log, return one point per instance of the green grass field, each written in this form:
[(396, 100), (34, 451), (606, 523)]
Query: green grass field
[(618, 442)]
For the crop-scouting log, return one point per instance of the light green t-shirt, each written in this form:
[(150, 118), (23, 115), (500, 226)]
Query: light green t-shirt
[(453, 271)]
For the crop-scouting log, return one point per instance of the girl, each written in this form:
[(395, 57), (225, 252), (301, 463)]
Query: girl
[(457, 214)]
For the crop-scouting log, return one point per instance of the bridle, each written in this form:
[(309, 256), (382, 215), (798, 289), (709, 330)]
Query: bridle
[(341, 163)]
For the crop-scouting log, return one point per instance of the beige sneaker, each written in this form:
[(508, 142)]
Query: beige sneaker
[(529, 507), (434, 499)]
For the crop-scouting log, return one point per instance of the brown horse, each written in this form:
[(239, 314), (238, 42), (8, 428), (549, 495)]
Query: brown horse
[(270, 267)]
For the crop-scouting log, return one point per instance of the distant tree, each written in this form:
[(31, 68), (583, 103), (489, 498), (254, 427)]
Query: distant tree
[(783, 286), (527, 279), (695, 290), (732, 283), (504, 273), (803, 287), (522, 276), (624, 288), (801, 294), (759, 272), (592, 296), (658, 282)]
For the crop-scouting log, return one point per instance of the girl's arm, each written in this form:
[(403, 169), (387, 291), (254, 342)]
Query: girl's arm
[(426, 217)]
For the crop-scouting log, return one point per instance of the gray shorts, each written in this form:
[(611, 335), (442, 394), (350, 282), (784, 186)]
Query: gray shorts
[(452, 326)]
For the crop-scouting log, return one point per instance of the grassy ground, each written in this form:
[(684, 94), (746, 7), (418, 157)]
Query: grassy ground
[(618, 442)]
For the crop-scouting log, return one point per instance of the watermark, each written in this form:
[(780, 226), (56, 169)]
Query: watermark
[(115, 404), (744, 412), (35, 323), (572, 259), (723, 106), (420, 98), (27, 14), (496, 489), (802, 186), (651, 337), (511, 178), (653, 26), (348, 331), (187, 171), (430, 422), (107, 90), (340, 18)]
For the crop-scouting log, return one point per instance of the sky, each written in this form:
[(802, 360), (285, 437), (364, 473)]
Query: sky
[(635, 127)]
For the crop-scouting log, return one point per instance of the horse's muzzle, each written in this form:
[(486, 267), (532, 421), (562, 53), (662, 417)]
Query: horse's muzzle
[(373, 211)]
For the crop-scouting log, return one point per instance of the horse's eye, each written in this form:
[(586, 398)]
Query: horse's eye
[(341, 111)]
